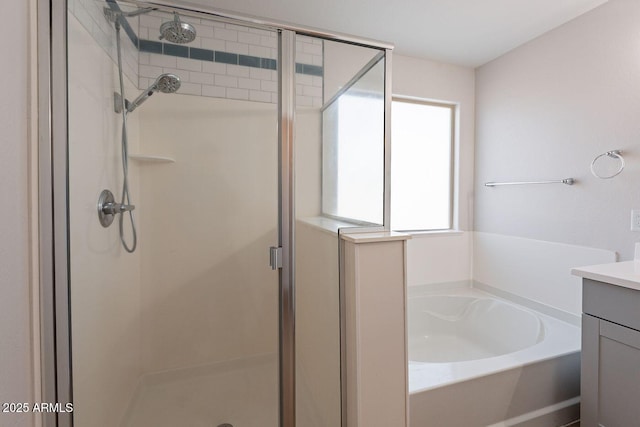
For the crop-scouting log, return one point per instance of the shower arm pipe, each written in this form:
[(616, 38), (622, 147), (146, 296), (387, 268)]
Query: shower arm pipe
[(567, 181), (114, 14), (137, 12)]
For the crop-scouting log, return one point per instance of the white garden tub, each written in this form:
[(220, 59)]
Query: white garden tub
[(478, 360), (447, 328)]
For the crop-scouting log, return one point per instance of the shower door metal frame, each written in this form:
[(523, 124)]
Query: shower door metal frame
[(286, 228), (53, 218), (53, 194)]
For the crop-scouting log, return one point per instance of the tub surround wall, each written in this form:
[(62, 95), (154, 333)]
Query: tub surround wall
[(534, 269), (434, 258), (106, 282), (530, 272), (544, 111)]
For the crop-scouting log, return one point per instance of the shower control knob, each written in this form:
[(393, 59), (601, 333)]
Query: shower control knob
[(108, 208), (116, 208)]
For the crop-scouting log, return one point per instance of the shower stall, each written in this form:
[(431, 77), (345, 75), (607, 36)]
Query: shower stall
[(201, 166)]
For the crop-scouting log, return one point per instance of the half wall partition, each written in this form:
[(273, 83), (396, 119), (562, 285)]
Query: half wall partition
[(214, 296)]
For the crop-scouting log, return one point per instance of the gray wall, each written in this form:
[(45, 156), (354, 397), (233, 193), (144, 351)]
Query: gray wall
[(15, 331), (544, 111)]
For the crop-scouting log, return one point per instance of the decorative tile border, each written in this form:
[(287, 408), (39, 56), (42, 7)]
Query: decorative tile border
[(208, 55), (312, 70), (160, 48)]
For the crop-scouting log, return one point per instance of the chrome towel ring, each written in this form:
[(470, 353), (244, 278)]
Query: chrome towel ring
[(616, 154)]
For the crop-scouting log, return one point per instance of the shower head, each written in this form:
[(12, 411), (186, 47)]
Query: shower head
[(177, 31), (165, 83)]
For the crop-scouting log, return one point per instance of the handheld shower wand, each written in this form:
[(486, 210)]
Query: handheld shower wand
[(165, 83)]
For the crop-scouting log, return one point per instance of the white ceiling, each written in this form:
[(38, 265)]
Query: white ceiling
[(464, 32)]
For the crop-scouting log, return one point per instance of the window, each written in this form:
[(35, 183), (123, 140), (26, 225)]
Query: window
[(421, 165)]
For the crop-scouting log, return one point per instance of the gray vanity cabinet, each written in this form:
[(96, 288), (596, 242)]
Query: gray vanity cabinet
[(610, 387)]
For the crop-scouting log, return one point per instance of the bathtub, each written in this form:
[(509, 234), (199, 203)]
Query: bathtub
[(499, 363)]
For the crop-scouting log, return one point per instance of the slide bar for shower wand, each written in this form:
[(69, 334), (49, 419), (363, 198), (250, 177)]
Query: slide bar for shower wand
[(567, 181)]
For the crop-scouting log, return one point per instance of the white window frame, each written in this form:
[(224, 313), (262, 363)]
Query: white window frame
[(453, 172)]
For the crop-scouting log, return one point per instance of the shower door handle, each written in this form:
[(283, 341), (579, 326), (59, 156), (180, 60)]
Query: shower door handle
[(275, 257)]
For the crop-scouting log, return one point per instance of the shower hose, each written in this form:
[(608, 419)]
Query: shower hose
[(125, 199)]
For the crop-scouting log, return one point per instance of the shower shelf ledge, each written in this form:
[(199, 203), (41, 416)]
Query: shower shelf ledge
[(151, 159)]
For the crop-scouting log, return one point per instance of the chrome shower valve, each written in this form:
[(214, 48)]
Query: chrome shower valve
[(108, 208)]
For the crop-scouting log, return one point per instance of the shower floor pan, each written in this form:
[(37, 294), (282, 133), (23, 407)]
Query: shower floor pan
[(241, 393)]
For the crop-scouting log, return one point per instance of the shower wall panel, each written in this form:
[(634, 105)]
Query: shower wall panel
[(317, 301), (105, 280), (317, 326), (209, 218)]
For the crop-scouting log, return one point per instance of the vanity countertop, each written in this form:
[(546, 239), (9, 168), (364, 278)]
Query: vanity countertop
[(625, 274)]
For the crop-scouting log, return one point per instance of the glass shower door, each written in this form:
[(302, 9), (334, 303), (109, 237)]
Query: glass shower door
[(183, 330)]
